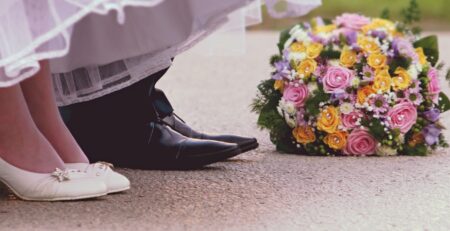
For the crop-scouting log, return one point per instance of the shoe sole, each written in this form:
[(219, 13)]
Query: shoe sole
[(118, 190), (51, 199), (248, 147), (191, 163)]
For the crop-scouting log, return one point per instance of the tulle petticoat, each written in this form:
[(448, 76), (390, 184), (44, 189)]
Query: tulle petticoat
[(111, 50)]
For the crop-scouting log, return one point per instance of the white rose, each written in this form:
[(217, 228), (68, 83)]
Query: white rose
[(346, 108), (384, 150), (297, 56), (334, 62), (413, 72), (355, 82), (290, 108), (312, 86), (290, 121), (301, 36), (295, 29), (288, 42), (280, 111)]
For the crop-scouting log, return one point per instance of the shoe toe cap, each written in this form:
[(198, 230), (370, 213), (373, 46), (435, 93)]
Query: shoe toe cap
[(117, 182), (78, 189)]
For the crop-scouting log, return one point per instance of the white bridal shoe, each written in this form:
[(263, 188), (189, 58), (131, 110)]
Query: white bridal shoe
[(60, 185), (115, 182)]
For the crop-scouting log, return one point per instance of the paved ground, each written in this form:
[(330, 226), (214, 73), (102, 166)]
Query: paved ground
[(261, 190)]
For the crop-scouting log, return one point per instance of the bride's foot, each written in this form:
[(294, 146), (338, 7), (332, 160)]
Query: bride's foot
[(21, 143), (38, 93), (115, 182), (29, 165), (60, 185)]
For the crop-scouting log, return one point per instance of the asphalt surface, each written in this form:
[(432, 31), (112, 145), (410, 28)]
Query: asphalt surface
[(260, 190)]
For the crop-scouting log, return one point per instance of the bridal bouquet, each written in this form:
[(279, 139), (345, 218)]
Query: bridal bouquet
[(353, 86)]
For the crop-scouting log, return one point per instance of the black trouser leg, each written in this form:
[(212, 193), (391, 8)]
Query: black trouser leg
[(107, 127)]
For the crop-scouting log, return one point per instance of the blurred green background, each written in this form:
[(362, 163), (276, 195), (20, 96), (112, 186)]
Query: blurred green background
[(435, 13)]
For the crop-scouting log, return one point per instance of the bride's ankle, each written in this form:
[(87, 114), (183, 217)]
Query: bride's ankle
[(27, 149), (63, 142)]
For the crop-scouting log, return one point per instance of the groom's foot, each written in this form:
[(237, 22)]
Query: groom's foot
[(245, 144), (165, 111), (167, 149)]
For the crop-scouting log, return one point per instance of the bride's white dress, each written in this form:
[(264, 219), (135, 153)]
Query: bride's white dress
[(100, 46)]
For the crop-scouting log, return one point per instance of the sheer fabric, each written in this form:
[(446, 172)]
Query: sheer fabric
[(112, 50)]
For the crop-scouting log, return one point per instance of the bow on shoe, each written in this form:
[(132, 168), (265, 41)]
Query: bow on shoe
[(104, 165), (61, 175)]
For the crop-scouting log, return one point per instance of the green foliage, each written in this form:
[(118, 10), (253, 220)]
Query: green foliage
[(386, 14), (444, 102), (329, 53), (418, 150), (430, 47), (266, 95), (312, 103), (447, 76), (411, 14), (274, 59), (399, 62), (375, 127), (284, 36)]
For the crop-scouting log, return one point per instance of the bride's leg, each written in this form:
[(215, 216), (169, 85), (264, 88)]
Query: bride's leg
[(21, 142), (38, 92)]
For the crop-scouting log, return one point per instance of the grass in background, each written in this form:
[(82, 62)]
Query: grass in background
[(435, 13)]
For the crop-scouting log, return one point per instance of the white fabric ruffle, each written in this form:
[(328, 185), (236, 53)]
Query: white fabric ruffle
[(33, 30)]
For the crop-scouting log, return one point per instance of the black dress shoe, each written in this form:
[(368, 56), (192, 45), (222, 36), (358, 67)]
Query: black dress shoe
[(245, 144), (168, 149)]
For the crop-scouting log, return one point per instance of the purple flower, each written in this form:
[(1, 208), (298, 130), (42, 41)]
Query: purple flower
[(282, 70), (351, 21), (343, 97), (379, 104), (352, 37), (415, 87), (432, 114), (367, 73), (416, 98), (379, 34), (405, 48), (301, 117), (431, 134)]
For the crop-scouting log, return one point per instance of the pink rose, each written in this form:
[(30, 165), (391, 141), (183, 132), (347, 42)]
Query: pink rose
[(349, 120), (433, 85), (360, 143), (296, 94), (403, 116), (352, 21), (337, 79)]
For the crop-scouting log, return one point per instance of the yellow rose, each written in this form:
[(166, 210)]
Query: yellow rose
[(382, 81), (324, 29), (329, 119), (297, 47), (313, 50), (402, 80), (336, 140), (368, 45), (279, 85), (348, 58), (363, 93), (422, 56), (379, 23), (377, 60), (304, 134), (306, 68)]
